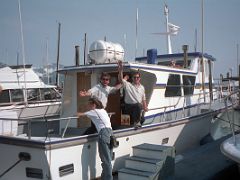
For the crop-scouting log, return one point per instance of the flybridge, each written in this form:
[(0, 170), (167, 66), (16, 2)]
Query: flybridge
[(178, 55)]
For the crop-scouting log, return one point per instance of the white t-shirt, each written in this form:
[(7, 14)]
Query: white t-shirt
[(133, 93), (102, 93), (100, 118)]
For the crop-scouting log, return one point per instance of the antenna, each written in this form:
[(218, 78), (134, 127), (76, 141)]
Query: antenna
[(169, 46), (171, 29)]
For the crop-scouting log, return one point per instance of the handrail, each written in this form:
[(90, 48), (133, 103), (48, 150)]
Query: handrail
[(180, 97), (74, 117), (226, 106)]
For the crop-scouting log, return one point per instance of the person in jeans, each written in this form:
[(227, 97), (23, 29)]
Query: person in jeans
[(101, 120), (134, 98)]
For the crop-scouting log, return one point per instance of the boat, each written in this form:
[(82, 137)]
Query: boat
[(182, 102), (25, 96), (231, 146), (180, 115)]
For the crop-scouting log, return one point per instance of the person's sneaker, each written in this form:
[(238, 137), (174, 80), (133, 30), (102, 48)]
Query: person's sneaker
[(138, 125)]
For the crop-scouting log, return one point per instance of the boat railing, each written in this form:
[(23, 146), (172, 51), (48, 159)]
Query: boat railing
[(62, 132), (183, 105), (228, 98), (28, 122), (22, 107)]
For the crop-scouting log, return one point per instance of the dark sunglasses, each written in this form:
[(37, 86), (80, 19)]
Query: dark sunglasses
[(136, 77), (105, 79)]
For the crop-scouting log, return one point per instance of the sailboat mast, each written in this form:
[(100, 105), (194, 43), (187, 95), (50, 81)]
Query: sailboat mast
[(47, 61), (136, 42), (202, 61), (85, 49), (23, 53), (58, 50)]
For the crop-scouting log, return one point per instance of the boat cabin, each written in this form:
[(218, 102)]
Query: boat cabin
[(167, 88), (19, 89)]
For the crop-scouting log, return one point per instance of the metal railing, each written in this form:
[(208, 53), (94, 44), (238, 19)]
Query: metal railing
[(226, 100), (183, 106), (229, 102)]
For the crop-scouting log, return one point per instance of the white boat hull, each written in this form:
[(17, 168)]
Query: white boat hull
[(231, 148), (82, 152)]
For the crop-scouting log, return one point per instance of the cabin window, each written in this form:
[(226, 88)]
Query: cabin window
[(33, 95), (4, 97), (17, 95), (49, 94), (178, 63), (188, 84), (173, 86)]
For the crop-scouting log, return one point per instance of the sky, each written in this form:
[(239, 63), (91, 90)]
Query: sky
[(116, 20)]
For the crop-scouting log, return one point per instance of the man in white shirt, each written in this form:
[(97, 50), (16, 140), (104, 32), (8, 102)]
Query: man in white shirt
[(101, 90), (135, 100), (101, 120)]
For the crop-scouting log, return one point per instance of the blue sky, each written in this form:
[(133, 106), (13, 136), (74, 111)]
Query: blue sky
[(113, 19)]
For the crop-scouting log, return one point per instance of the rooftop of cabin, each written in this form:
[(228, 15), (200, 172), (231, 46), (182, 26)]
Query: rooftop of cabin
[(178, 55)]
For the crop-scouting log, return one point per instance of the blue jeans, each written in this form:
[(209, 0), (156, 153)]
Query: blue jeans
[(105, 153)]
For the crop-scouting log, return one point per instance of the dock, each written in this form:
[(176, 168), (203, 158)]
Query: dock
[(204, 163)]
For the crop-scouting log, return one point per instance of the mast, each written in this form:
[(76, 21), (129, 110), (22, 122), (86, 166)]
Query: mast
[(136, 43), (85, 48), (238, 66), (195, 42), (23, 54), (58, 49), (202, 61), (169, 46), (237, 57), (47, 61)]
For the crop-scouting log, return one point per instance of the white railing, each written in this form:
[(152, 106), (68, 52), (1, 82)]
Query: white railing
[(228, 98), (200, 100)]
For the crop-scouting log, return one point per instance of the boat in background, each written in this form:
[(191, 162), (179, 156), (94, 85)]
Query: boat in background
[(231, 146), (25, 96)]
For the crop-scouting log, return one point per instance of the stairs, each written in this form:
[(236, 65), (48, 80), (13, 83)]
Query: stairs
[(149, 162)]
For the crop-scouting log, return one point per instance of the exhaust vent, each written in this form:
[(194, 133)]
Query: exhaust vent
[(66, 170), (34, 173)]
